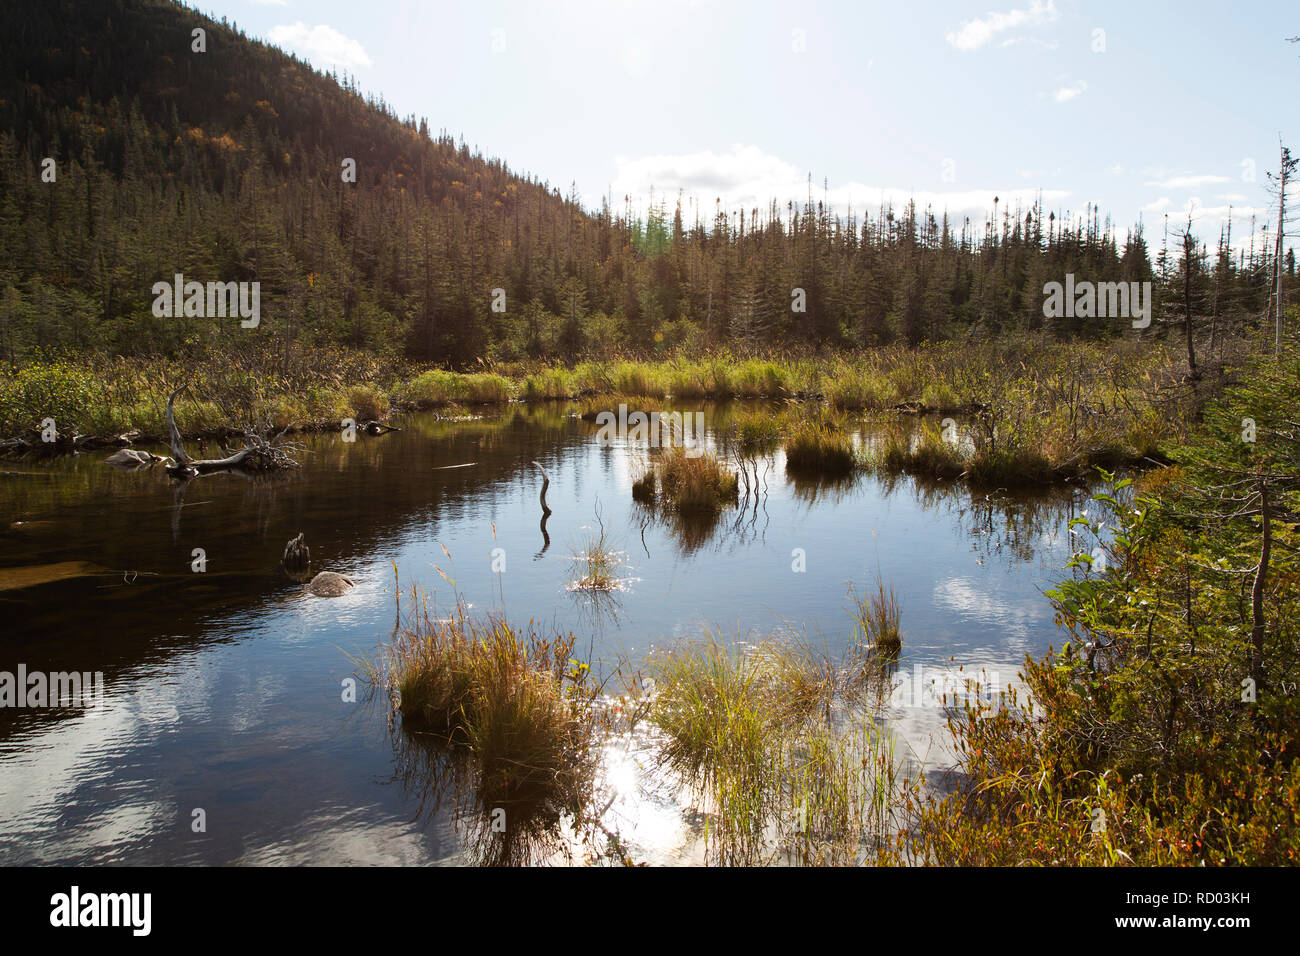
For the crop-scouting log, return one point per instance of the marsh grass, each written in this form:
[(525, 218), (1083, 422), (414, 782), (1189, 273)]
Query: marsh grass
[(595, 567), (755, 432), (877, 619), (820, 447), (1053, 410), (437, 387), (368, 403), (926, 453), (643, 489), (1139, 721), (784, 774), (687, 483), (517, 703)]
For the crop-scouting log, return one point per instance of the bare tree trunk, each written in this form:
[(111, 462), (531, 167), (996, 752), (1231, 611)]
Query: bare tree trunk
[(178, 448), (1281, 211), (1257, 591), (1188, 243)]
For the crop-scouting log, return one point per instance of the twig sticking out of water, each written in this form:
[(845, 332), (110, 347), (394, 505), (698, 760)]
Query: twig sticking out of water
[(546, 483)]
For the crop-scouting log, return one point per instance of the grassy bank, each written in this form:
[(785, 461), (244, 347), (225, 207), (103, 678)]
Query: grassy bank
[(1000, 413), (103, 396)]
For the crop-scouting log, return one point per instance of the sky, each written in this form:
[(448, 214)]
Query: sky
[(1146, 108)]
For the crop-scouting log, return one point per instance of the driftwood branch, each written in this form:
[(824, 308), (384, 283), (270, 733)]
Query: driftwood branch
[(183, 461), (546, 511), (173, 434), (546, 483)]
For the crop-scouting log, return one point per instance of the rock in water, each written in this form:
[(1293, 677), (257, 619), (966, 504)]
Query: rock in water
[(329, 584), (130, 458)]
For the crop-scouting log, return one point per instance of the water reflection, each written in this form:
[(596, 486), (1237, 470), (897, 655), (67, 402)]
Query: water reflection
[(224, 684), (445, 780)]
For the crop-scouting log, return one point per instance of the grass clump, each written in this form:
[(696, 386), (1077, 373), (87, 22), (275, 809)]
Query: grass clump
[(688, 483), (926, 453), (551, 383), (643, 489), (596, 565), (518, 702), (820, 448), (856, 384), (486, 388), (367, 402), (750, 730), (434, 387), (756, 378), (440, 387), (877, 619)]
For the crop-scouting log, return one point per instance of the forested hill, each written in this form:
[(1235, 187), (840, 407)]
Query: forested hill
[(227, 165)]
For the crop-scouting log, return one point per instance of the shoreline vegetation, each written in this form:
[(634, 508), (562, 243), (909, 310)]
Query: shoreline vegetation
[(1014, 410), (1165, 731)]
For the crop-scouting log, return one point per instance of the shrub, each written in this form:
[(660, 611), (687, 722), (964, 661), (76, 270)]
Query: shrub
[(55, 390), (367, 402)]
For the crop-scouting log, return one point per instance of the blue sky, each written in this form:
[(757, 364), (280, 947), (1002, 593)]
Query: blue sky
[(1145, 108)]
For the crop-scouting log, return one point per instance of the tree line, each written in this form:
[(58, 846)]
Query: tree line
[(126, 157)]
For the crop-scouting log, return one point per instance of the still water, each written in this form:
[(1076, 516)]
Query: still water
[(223, 686)]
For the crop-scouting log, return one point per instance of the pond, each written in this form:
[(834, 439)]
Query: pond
[(223, 699)]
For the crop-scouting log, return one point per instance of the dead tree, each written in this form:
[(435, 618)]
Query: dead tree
[(178, 447), (1189, 246), (546, 511), (1257, 590), (1287, 165), (256, 453)]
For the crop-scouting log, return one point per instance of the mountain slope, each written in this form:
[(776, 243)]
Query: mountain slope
[(227, 165)]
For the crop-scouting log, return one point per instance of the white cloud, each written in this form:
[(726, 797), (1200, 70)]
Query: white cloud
[(1207, 221), (271, 3), (1188, 182), (636, 60), (321, 44), (973, 34), (1064, 94), (746, 177), (1016, 41)]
